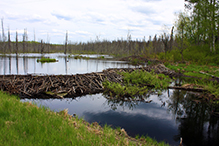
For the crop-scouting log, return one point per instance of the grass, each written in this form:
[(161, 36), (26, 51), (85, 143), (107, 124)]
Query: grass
[(26, 124), (194, 70), (43, 60), (137, 83)]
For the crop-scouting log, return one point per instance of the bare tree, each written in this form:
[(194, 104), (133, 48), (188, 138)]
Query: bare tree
[(3, 36), (34, 39), (165, 39), (171, 38), (129, 37), (9, 41), (66, 42), (24, 40), (42, 47), (48, 46), (16, 43)]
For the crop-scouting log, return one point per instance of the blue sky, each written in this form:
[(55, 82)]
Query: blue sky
[(86, 19)]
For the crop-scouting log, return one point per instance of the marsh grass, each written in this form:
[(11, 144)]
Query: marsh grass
[(203, 72), (26, 124), (195, 70), (43, 60), (138, 83)]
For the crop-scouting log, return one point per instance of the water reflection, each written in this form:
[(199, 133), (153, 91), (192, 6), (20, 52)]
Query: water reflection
[(181, 116), (27, 64), (17, 68), (197, 125)]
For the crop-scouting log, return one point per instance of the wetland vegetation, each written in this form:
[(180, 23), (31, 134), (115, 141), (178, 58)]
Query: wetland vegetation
[(137, 83), (44, 60)]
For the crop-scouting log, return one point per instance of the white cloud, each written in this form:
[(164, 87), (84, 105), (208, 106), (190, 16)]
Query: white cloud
[(86, 18)]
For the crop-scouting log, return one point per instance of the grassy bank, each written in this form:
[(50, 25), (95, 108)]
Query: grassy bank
[(27, 124), (199, 75)]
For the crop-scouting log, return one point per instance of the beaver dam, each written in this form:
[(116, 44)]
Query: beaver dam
[(61, 86)]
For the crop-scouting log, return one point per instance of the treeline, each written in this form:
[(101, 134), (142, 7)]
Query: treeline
[(120, 47)]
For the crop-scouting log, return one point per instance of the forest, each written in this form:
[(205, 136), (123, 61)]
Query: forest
[(192, 38)]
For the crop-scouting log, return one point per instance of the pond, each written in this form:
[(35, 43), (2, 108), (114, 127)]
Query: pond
[(27, 64), (168, 117)]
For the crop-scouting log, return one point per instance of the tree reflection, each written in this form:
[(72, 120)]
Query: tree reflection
[(9, 64), (115, 103), (25, 64), (17, 67), (66, 65), (123, 102), (197, 126)]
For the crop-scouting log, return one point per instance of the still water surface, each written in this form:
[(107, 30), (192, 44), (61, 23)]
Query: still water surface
[(27, 64), (180, 116), (168, 117)]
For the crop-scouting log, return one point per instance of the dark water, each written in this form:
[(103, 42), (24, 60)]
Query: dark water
[(180, 116), (168, 117)]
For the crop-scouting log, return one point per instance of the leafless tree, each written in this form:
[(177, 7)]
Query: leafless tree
[(66, 42)]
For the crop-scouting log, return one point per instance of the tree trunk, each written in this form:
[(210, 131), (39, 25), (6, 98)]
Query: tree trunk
[(16, 43), (9, 41)]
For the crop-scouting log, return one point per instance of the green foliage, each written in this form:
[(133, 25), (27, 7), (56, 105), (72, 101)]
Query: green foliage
[(137, 82), (43, 60), (126, 90), (172, 56), (195, 70), (195, 54), (101, 57), (26, 124)]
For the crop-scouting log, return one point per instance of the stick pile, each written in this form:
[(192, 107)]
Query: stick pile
[(51, 86)]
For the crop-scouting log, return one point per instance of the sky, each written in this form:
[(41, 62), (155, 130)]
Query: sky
[(87, 20)]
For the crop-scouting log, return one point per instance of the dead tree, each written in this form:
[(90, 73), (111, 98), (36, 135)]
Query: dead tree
[(66, 42), (24, 41), (171, 38), (3, 36), (9, 41), (165, 39), (16, 43), (48, 46), (34, 45), (42, 47)]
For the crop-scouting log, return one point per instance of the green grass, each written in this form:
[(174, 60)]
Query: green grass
[(43, 60), (26, 124), (194, 70), (137, 83)]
